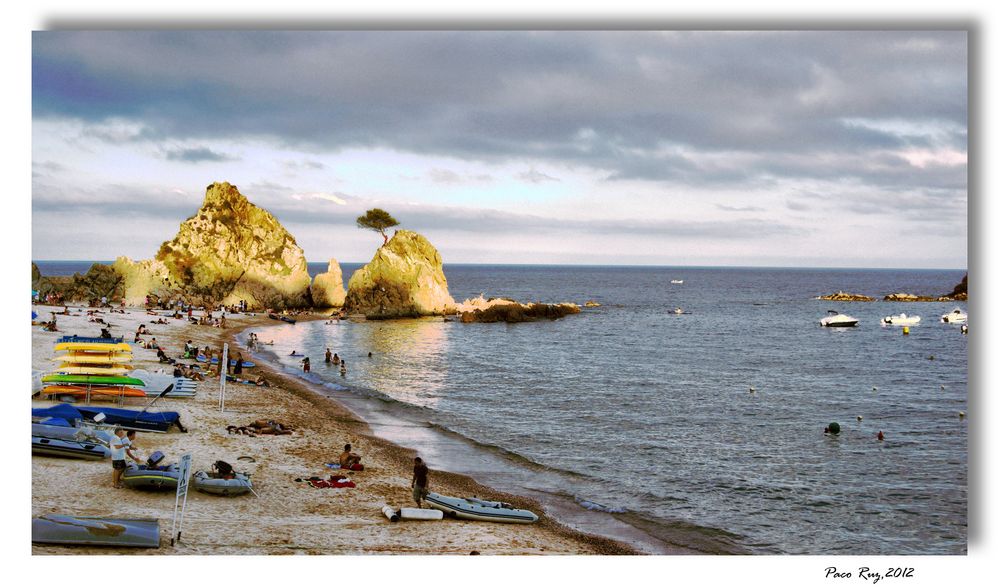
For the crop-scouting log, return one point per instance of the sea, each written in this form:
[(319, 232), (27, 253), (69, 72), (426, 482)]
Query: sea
[(703, 430)]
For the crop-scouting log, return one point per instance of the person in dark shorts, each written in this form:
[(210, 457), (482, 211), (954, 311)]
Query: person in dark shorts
[(121, 448), (421, 482)]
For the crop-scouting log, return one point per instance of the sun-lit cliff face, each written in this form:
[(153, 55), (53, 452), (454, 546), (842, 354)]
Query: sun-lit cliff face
[(230, 250), (405, 278)]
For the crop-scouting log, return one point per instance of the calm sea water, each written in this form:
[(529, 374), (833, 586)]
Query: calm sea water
[(639, 424)]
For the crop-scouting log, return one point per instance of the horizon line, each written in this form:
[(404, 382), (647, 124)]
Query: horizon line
[(622, 265)]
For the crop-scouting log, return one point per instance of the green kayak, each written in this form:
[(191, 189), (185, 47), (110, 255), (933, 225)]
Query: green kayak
[(82, 379)]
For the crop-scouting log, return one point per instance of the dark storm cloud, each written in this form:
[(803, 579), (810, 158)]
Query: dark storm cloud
[(197, 155), (609, 100)]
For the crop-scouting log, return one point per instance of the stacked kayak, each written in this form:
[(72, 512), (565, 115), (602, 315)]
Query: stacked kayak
[(211, 484), (479, 510), (154, 383), (92, 367)]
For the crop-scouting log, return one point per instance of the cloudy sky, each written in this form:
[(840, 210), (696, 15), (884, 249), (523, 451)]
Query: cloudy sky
[(673, 148)]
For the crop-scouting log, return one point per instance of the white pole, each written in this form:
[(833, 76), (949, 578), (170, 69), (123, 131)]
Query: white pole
[(183, 475), (223, 368)]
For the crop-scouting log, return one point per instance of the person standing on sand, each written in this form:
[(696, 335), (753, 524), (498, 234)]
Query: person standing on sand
[(120, 449), (238, 369), (421, 481)]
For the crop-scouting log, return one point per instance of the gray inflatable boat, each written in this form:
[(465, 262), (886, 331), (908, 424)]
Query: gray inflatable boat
[(209, 484)]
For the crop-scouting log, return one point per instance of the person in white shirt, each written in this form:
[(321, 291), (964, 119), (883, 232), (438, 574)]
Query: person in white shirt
[(121, 447)]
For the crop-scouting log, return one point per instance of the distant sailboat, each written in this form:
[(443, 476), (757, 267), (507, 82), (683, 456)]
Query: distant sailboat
[(676, 281)]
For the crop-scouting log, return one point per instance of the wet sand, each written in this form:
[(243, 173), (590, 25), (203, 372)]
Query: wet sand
[(288, 517)]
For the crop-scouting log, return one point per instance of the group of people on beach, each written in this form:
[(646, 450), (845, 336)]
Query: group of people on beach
[(420, 483)]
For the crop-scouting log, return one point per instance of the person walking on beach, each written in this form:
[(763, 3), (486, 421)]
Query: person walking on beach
[(238, 369), (120, 449), (421, 481)]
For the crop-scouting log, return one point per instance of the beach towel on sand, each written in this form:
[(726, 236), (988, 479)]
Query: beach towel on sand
[(334, 482)]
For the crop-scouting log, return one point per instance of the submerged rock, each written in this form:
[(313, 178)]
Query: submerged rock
[(846, 297), (516, 312), (231, 250), (327, 287), (404, 279)]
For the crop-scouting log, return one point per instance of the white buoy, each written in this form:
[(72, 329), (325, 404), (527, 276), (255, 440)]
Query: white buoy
[(390, 513)]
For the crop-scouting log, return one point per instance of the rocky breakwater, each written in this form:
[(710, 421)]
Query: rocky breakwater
[(481, 310), (960, 292), (327, 287), (230, 250), (404, 279), (846, 297)]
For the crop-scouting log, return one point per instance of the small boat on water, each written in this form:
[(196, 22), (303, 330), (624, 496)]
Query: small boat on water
[(901, 320), (955, 316), (676, 281), (211, 483), (838, 319), (678, 310), (479, 510)]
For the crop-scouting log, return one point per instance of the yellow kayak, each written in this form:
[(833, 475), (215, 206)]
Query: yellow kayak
[(95, 358), (104, 347), (88, 370)]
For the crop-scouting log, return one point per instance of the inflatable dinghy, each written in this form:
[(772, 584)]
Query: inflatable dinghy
[(479, 510)]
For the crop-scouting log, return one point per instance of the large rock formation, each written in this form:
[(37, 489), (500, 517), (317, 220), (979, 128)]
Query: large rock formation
[(404, 279), (229, 251), (960, 291), (327, 288)]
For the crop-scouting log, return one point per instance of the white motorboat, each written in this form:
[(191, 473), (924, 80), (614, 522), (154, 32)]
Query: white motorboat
[(676, 281), (838, 319), (955, 316), (901, 320)]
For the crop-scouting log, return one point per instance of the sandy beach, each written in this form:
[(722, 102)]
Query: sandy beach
[(288, 516)]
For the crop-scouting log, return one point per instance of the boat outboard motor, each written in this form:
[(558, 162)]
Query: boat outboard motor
[(154, 459)]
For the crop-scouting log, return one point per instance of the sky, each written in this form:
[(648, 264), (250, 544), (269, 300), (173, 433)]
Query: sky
[(802, 149)]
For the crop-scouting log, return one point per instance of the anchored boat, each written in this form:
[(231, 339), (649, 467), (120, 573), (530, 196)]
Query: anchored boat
[(838, 319), (900, 320)]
